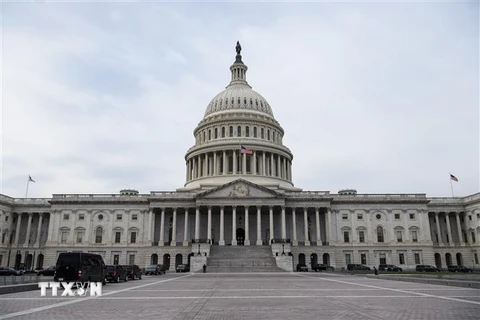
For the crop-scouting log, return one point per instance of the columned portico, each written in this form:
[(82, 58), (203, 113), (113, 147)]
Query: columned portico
[(259, 226)]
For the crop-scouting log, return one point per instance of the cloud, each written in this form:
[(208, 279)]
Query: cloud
[(379, 97)]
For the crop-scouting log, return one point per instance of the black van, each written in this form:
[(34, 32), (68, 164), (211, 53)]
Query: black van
[(80, 267)]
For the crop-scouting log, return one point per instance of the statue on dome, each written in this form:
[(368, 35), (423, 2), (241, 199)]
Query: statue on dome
[(238, 48)]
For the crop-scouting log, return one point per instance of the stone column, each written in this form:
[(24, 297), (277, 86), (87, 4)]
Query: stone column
[(317, 220), (215, 163), (225, 162), (197, 224), (278, 171), (247, 228), (328, 235), (174, 228), (272, 171), (234, 226), (459, 229), (221, 242), (234, 162), (264, 162), (161, 241), (205, 165), (305, 222), (437, 222), (259, 226), (209, 224), (149, 231), (187, 171), (185, 229), (294, 228), (194, 159), (244, 163), (254, 170), (285, 169), (39, 229), (51, 216), (284, 227), (29, 228), (449, 230), (271, 226)]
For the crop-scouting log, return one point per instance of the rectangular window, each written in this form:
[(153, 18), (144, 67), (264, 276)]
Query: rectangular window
[(470, 218), (81, 216), (399, 236), (360, 216), (397, 216), (133, 237), (414, 236), (363, 258), (134, 216), (383, 258), (473, 237), (361, 236), (119, 216), (116, 258), (476, 258), (346, 237), (348, 259), (131, 259), (416, 256), (118, 235), (6, 218), (66, 216), (401, 258), (79, 236), (412, 216), (345, 216), (64, 236)]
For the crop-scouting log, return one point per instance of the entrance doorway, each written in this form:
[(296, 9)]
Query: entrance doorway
[(240, 236), (166, 261)]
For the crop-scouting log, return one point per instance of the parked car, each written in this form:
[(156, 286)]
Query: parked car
[(322, 267), (133, 271), (389, 267), (302, 267), (426, 268), (153, 269), (352, 266), (50, 271), (361, 267), (459, 269), (115, 273), (163, 268), (80, 267), (6, 271), (183, 268)]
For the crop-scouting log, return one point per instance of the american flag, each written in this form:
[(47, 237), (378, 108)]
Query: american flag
[(245, 150), (452, 177), (30, 179)]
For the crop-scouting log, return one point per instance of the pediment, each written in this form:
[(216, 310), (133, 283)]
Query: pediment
[(239, 189)]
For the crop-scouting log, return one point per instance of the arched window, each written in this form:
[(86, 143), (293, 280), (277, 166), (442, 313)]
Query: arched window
[(268, 134), (262, 133), (254, 132), (98, 235), (203, 136), (223, 132), (231, 131), (239, 131), (209, 134), (247, 131), (273, 136), (216, 133), (380, 234)]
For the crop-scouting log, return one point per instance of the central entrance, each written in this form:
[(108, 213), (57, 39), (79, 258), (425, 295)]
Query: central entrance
[(240, 236)]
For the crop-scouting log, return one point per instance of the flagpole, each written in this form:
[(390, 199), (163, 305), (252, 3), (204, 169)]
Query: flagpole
[(451, 185), (28, 182)]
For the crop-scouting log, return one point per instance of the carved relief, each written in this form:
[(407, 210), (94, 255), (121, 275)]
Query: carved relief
[(240, 191)]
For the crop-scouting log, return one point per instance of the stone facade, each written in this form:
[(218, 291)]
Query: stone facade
[(239, 191)]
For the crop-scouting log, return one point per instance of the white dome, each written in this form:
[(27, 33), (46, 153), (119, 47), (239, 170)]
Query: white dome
[(238, 97)]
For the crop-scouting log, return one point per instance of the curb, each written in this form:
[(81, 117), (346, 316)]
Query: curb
[(443, 282), (18, 288)]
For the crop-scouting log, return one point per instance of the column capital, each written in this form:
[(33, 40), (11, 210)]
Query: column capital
[(317, 209)]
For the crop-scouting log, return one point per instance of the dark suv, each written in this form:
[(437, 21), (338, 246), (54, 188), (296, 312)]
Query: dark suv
[(426, 268), (116, 273), (183, 268), (133, 271), (80, 267), (459, 269), (389, 267), (302, 267), (322, 267), (153, 269)]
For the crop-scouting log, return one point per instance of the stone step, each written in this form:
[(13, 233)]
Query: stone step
[(243, 269)]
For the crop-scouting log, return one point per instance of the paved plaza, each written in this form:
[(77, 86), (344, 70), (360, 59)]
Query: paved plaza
[(253, 296)]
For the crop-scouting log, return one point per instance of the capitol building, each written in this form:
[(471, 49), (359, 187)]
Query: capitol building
[(239, 205)]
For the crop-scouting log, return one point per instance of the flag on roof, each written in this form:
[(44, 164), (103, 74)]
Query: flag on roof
[(30, 178), (452, 177), (245, 150)]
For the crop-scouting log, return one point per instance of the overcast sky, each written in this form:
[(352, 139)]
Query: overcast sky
[(380, 97)]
